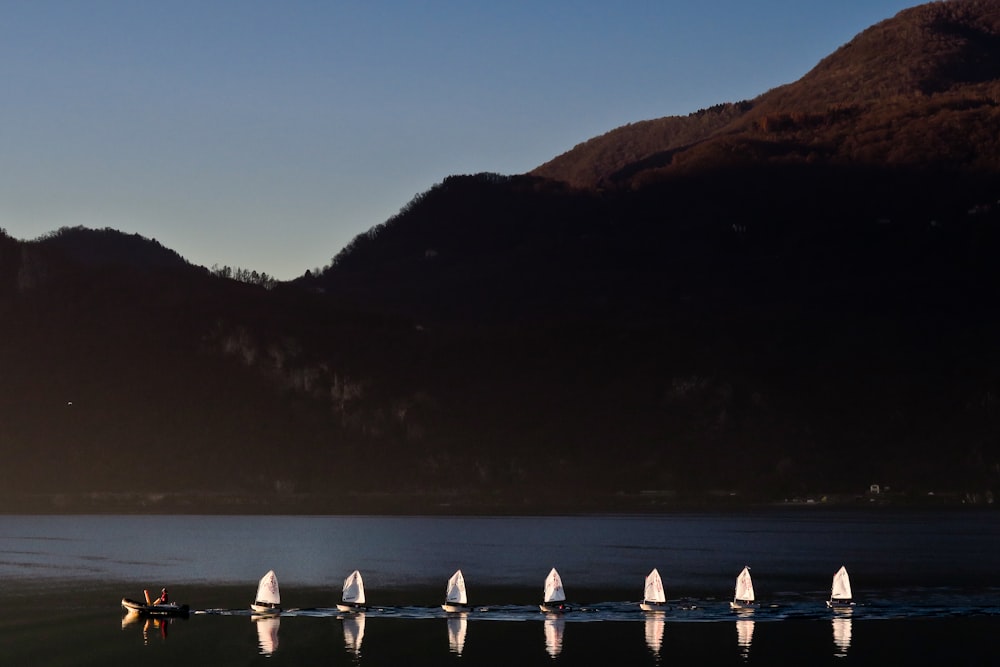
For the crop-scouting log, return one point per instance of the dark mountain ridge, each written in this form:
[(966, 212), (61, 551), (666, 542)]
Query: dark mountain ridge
[(832, 231), (766, 300)]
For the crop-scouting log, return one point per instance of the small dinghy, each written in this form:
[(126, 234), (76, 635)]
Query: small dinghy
[(455, 597), (353, 598), (554, 597), (743, 598), (653, 597), (840, 591), (268, 600), (150, 609)]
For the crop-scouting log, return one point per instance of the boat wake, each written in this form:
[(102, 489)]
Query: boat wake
[(913, 604)]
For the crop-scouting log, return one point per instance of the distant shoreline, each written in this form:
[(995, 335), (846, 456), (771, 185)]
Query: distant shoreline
[(423, 504)]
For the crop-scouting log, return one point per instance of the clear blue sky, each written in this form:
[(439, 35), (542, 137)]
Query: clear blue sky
[(266, 135)]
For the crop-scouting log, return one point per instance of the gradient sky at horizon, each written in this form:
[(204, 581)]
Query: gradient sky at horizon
[(266, 135)]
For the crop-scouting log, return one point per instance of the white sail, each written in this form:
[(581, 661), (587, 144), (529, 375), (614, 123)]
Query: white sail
[(841, 589), (653, 591), (354, 589), (455, 593), (267, 589), (267, 633), (554, 588), (744, 587)]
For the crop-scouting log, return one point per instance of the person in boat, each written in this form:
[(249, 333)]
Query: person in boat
[(164, 597)]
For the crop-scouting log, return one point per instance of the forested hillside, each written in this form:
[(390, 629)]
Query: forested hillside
[(784, 298), (919, 90)]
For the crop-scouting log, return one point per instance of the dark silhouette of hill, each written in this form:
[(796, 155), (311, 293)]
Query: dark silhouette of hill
[(664, 342), (126, 383), (763, 287), (110, 247), (787, 297)]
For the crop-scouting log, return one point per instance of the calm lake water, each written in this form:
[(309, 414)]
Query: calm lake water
[(927, 585)]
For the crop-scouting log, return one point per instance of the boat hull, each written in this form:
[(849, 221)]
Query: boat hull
[(739, 605), (653, 606), (453, 608), (350, 608), (171, 609), (553, 607), (265, 608), (839, 604)]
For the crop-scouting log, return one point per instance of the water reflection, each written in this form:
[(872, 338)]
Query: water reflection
[(654, 632), (354, 632), (151, 626), (554, 626), (130, 618), (744, 636), (267, 633), (841, 632), (457, 627)]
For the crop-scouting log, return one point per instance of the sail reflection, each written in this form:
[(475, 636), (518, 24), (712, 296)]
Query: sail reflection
[(744, 636), (654, 632), (554, 626), (841, 632), (457, 627), (267, 633), (354, 632)]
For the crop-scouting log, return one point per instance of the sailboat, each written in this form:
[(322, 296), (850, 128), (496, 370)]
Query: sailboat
[(653, 597), (743, 598), (555, 596), (353, 598), (268, 600), (455, 597), (840, 591)]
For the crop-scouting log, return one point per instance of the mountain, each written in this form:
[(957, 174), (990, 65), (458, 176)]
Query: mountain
[(766, 286), (919, 90), (788, 297)]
